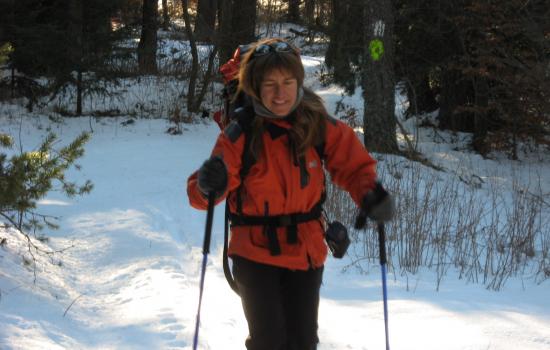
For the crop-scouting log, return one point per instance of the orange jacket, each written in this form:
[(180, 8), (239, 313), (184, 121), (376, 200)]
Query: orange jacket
[(276, 180)]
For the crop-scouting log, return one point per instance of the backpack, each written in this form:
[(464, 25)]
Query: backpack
[(236, 119), (230, 76)]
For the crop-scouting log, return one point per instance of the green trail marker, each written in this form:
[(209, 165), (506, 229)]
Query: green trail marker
[(376, 49)]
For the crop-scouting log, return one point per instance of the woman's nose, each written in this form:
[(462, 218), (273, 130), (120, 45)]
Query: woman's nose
[(279, 90)]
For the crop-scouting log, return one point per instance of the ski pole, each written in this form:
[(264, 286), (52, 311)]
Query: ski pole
[(383, 261), (205, 251)]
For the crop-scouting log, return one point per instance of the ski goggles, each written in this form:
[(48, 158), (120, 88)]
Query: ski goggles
[(278, 46)]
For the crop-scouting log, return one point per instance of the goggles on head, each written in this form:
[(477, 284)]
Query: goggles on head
[(278, 46)]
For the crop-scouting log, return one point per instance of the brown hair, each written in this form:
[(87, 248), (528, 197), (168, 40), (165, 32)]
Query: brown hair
[(308, 126)]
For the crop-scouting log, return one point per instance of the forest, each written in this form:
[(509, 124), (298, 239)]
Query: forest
[(483, 66), (451, 97)]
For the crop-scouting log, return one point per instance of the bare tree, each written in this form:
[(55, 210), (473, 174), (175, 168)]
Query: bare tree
[(147, 48), (195, 99)]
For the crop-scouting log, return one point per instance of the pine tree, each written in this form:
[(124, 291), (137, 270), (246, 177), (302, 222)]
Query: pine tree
[(27, 177), (487, 64), (59, 40)]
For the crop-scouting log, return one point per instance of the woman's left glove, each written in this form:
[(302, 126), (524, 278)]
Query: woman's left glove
[(378, 205), (212, 176)]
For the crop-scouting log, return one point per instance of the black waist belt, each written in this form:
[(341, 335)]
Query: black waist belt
[(275, 220), (271, 222)]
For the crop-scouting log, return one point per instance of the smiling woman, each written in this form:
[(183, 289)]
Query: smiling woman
[(279, 91), (270, 171)]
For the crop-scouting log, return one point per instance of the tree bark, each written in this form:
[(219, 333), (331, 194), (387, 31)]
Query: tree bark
[(378, 78), (165, 16), (420, 95), (76, 50), (205, 26), (455, 93), (225, 37), (194, 56), (237, 25), (147, 48), (294, 11), (481, 119), (309, 12), (244, 22), (193, 100)]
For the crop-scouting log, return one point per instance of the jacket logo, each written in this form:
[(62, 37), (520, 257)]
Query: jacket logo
[(312, 164)]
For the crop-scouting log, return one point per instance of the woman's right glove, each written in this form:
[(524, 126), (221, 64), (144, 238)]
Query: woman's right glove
[(212, 176), (378, 205)]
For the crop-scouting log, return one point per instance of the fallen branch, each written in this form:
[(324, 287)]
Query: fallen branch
[(71, 304)]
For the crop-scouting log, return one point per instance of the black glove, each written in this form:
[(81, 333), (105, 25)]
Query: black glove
[(212, 176), (377, 205)]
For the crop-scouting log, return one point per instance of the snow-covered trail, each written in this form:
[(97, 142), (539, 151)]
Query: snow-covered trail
[(130, 280), (136, 245)]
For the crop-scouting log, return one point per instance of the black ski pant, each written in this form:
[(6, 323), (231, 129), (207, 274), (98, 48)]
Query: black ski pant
[(280, 305)]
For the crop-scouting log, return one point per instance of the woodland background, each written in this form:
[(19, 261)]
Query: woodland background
[(481, 68), (483, 65)]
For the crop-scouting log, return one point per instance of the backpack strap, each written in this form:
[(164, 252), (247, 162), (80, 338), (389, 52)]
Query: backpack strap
[(226, 268), (247, 158)]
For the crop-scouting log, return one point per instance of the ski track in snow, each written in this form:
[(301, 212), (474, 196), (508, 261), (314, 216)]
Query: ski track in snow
[(132, 273)]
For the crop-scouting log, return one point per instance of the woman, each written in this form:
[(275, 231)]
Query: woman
[(277, 232)]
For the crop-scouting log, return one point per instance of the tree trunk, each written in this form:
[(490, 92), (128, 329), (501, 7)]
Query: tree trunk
[(310, 12), (193, 100), (323, 14), (481, 119), (244, 22), (76, 9), (79, 90), (237, 25), (294, 11), (378, 78), (225, 37), (194, 56), (455, 93), (165, 16), (147, 48), (205, 26), (420, 95)]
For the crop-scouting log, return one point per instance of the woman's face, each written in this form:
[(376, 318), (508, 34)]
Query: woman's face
[(278, 92)]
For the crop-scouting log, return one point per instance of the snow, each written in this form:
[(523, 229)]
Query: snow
[(128, 277)]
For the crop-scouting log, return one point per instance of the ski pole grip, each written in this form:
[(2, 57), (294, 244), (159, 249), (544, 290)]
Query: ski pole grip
[(209, 219), (382, 243)]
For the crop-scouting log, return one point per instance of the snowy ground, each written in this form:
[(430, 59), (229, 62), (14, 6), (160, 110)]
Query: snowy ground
[(129, 278)]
